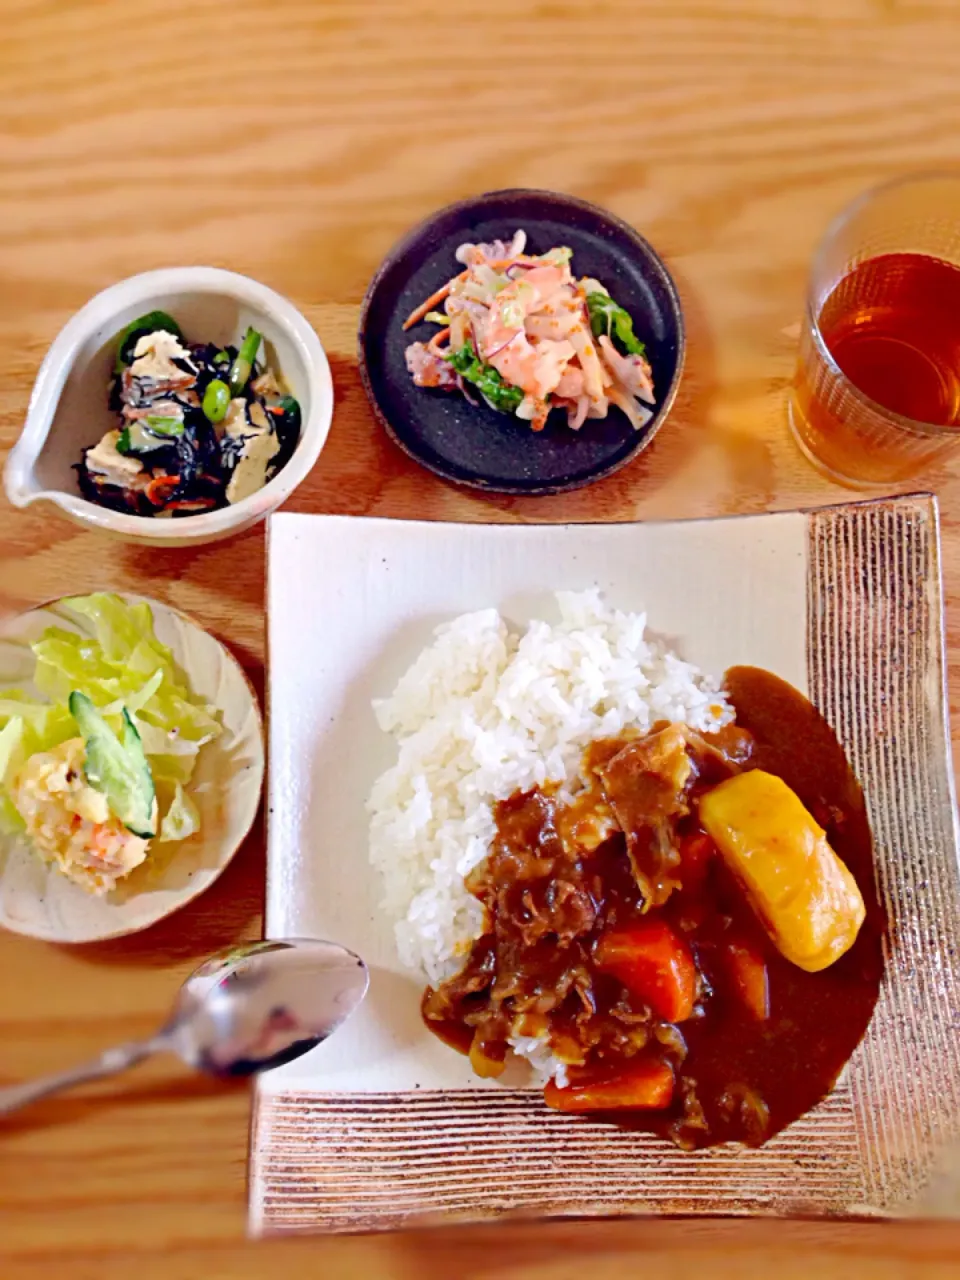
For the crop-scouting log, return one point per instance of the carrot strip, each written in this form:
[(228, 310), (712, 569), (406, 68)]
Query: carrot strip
[(160, 487), (643, 1086), (748, 978), (520, 259), (432, 301), (696, 853), (434, 343), (655, 964), (191, 504)]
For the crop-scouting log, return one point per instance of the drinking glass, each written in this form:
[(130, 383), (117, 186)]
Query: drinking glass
[(876, 395)]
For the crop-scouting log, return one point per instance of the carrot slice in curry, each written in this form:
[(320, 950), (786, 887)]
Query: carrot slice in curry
[(653, 962), (644, 1086)]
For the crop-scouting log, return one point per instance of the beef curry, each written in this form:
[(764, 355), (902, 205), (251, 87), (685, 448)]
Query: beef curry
[(683, 982)]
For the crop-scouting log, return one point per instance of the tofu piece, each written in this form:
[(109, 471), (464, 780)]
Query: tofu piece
[(804, 896), (235, 420), (116, 468), (257, 446), (250, 473), (258, 415), (267, 384), (154, 354)]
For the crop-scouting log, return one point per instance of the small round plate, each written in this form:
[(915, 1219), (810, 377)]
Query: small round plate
[(474, 445), (36, 899)]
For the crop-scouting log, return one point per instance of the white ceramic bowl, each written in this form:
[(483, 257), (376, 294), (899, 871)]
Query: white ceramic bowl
[(68, 407)]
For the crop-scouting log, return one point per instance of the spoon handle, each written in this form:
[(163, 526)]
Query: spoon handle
[(109, 1063)]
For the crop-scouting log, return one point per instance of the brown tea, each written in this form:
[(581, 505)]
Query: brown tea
[(893, 327)]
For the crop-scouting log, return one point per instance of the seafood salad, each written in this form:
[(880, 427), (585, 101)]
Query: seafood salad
[(200, 426), (523, 332)]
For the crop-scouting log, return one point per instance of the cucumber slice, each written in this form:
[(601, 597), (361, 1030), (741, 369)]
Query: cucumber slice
[(136, 437), (165, 427), (117, 767)]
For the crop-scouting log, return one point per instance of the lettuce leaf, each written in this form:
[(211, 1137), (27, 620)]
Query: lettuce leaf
[(11, 746), (122, 665), (11, 756), (181, 820)]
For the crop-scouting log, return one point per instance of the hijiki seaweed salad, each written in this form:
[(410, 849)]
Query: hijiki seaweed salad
[(200, 426), (522, 331)]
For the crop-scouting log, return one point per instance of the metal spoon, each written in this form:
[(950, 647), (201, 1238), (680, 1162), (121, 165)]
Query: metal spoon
[(244, 1010)]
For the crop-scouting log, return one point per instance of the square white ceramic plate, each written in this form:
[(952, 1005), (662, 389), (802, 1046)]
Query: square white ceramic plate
[(383, 1125)]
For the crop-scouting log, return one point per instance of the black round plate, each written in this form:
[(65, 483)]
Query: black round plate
[(475, 445)]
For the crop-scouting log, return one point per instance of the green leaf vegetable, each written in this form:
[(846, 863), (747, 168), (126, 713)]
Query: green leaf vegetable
[(609, 318), (128, 338), (291, 410), (181, 820), (497, 393), (11, 757)]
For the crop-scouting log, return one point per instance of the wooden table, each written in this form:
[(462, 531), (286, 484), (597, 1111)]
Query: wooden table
[(295, 142)]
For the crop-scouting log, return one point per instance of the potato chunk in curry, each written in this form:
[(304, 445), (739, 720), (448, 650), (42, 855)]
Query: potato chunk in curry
[(804, 896)]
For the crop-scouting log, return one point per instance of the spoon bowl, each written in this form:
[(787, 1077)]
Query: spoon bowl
[(263, 1004)]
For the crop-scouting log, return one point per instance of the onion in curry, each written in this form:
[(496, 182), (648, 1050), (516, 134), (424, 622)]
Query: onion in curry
[(642, 951)]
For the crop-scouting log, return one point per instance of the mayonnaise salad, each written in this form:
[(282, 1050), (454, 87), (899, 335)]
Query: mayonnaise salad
[(96, 761)]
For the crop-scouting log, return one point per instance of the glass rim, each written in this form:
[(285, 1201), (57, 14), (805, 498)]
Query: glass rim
[(915, 426)]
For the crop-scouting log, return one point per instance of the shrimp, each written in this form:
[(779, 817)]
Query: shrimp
[(536, 370), (512, 305), (548, 281), (516, 361), (544, 325)]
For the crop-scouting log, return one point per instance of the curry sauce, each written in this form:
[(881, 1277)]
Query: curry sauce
[(618, 936)]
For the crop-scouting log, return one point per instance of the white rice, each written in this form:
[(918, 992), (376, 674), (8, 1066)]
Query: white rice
[(487, 709)]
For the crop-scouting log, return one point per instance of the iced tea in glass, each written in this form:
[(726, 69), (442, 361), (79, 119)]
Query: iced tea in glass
[(877, 390)]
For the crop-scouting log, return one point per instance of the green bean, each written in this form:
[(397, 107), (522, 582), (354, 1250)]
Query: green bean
[(242, 366), (216, 400)]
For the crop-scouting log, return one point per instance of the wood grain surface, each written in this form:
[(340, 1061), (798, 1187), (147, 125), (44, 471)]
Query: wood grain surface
[(296, 142)]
